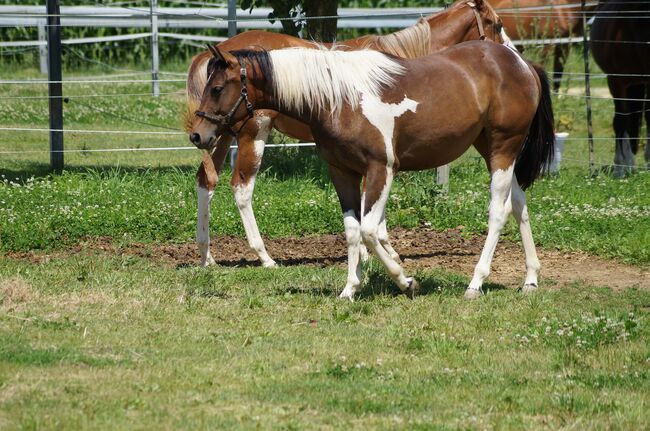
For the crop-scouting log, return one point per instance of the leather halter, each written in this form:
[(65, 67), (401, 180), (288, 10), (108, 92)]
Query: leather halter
[(479, 22), (243, 97)]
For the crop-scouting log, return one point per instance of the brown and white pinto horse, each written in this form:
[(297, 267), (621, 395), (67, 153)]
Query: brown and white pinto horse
[(463, 21), (372, 115)]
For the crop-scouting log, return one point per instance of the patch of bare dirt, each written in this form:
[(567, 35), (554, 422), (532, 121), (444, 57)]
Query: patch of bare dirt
[(15, 291), (419, 248)]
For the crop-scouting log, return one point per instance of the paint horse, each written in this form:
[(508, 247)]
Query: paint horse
[(620, 43), (542, 19), (462, 21), (373, 115)]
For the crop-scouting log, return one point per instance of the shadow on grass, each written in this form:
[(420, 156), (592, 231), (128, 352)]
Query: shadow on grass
[(281, 164), (378, 283)]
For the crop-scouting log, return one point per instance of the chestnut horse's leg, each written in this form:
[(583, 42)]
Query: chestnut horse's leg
[(520, 212), (500, 189), (250, 144), (206, 181), (346, 184), (561, 52), (379, 179)]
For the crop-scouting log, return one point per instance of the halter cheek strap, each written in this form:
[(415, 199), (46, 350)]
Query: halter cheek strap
[(479, 22), (243, 97)]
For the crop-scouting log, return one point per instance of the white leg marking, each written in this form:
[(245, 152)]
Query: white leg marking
[(244, 198), (385, 242), (500, 189), (520, 211), (203, 225), (353, 239), (382, 116)]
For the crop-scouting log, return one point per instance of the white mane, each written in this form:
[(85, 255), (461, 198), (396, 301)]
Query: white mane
[(322, 79)]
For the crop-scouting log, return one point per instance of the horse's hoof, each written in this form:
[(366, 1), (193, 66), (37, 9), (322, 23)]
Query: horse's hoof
[(529, 288), (346, 294), (413, 288), (270, 264), (473, 294)]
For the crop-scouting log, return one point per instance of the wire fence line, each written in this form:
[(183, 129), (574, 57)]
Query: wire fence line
[(544, 13)]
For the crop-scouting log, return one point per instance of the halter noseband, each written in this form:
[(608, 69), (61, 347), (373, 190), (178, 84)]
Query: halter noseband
[(479, 22), (243, 97)]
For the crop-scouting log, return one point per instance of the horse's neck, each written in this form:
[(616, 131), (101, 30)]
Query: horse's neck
[(456, 30)]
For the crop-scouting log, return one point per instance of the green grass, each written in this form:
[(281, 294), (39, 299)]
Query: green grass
[(104, 342), (150, 196)]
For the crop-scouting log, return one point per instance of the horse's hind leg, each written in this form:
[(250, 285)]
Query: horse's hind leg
[(500, 189), (251, 143), (623, 156), (206, 181), (520, 211), (561, 53), (646, 111), (379, 179)]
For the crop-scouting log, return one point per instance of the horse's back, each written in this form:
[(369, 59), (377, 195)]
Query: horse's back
[(461, 92)]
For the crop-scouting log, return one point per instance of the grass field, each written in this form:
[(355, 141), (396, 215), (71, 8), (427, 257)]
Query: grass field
[(100, 340)]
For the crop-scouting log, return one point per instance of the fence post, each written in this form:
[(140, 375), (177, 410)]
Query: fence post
[(585, 56), (442, 177), (232, 31), (155, 85), (55, 87), (42, 49)]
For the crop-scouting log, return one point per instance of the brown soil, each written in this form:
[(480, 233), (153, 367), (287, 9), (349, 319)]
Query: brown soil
[(419, 248)]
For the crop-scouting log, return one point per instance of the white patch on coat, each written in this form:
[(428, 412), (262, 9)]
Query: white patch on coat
[(382, 115)]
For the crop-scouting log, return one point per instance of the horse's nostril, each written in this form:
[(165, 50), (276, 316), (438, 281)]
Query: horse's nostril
[(195, 138)]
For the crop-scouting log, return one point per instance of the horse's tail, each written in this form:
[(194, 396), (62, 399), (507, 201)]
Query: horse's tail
[(197, 76), (539, 145)]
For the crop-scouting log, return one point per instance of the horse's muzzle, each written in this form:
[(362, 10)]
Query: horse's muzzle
[(195, 139)]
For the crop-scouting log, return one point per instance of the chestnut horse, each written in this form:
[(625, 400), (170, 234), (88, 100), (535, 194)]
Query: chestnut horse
[(373, 115), (462, 21), (542, 19), (620, 43)]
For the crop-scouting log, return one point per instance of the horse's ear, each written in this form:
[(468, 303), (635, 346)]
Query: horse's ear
[(216, 53), (479, 4)]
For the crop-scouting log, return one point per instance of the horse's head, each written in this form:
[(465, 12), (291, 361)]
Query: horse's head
[(225, 103), (488, 23)]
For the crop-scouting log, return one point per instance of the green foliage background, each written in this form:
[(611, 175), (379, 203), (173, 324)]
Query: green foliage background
[(137, 51)]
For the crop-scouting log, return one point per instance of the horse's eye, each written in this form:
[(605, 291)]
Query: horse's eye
[(216, 91)]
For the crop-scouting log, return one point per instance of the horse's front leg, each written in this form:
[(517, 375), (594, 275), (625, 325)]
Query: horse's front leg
[(206, 180), (379, 179), (251, 141), (346, 184)]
